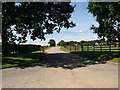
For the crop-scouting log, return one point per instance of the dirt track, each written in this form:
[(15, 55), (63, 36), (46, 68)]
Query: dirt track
[(91, 76)]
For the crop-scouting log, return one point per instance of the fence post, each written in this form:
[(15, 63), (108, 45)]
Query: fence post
[(81, 48), (101, 48), (88, 48), (40, 48), (43, 49), (109, 48), (94, 48)]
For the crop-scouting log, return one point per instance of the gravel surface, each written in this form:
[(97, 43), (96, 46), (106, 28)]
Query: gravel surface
[(61, 75)]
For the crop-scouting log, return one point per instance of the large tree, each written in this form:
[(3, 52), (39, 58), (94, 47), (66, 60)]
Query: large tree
[(34, 19), (61, 43), (52, 42), (107, 14)]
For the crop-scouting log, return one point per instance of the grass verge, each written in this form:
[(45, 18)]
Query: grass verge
[(22, 59), (116, 60), (64, 49), (97, 55), (7, 65), (48, 47), (18, 59)]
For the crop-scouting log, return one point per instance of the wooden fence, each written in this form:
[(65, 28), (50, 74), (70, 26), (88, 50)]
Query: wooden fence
[(96, 48)]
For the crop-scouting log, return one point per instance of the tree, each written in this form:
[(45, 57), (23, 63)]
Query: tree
[(52, 42), (61, 43), (108, 16), (71, 43), (34, 19), (82, 42)]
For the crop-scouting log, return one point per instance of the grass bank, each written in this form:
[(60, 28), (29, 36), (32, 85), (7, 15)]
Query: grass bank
[(46, 48), (64, 49), (21, 59), (116, 60), (96, 55)]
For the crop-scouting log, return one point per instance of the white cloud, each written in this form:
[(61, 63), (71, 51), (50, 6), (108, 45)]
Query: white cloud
[(81, 37), (79, 1), (39, 42), (78, 31), (85, 34), (89, 33)]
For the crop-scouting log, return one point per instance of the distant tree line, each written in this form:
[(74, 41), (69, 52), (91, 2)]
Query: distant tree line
[(92, 42)]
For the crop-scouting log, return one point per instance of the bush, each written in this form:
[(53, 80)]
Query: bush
[(101, 57), (23, 48), (104, 58)]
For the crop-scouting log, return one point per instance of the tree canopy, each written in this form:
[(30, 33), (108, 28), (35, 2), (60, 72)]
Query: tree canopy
[(34, 19), (107, 14), (85, 43), (61, 43), (52, 42)]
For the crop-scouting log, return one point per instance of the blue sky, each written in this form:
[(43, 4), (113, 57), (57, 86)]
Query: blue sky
[(83, 20)]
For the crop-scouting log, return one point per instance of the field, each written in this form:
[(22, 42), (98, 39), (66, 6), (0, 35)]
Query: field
[(96, 48), (23, 59), (105, 54)]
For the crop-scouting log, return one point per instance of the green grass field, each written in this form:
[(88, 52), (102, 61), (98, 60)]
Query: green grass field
[(22, 59), (17, 59), (89, 48), (112, 56)]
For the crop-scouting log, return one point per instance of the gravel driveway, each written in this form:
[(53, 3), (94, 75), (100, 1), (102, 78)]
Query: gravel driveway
[(66, 72)]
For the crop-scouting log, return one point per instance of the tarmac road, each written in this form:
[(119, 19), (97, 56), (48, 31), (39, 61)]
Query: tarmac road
[(92, 76)]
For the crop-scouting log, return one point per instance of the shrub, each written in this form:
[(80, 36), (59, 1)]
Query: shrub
[(104, 58)]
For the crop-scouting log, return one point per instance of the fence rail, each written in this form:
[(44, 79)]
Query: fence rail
[(95, 48)]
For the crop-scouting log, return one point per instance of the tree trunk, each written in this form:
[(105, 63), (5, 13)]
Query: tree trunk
[(119, 42), (5, 48)]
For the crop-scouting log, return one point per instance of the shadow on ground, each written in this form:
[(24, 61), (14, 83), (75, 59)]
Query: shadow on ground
[(64, 60)]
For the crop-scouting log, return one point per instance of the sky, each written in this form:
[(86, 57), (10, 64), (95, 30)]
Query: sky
[(81, 31), (83, 20)]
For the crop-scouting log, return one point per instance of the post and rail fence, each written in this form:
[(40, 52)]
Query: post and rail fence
[(94, 48)]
